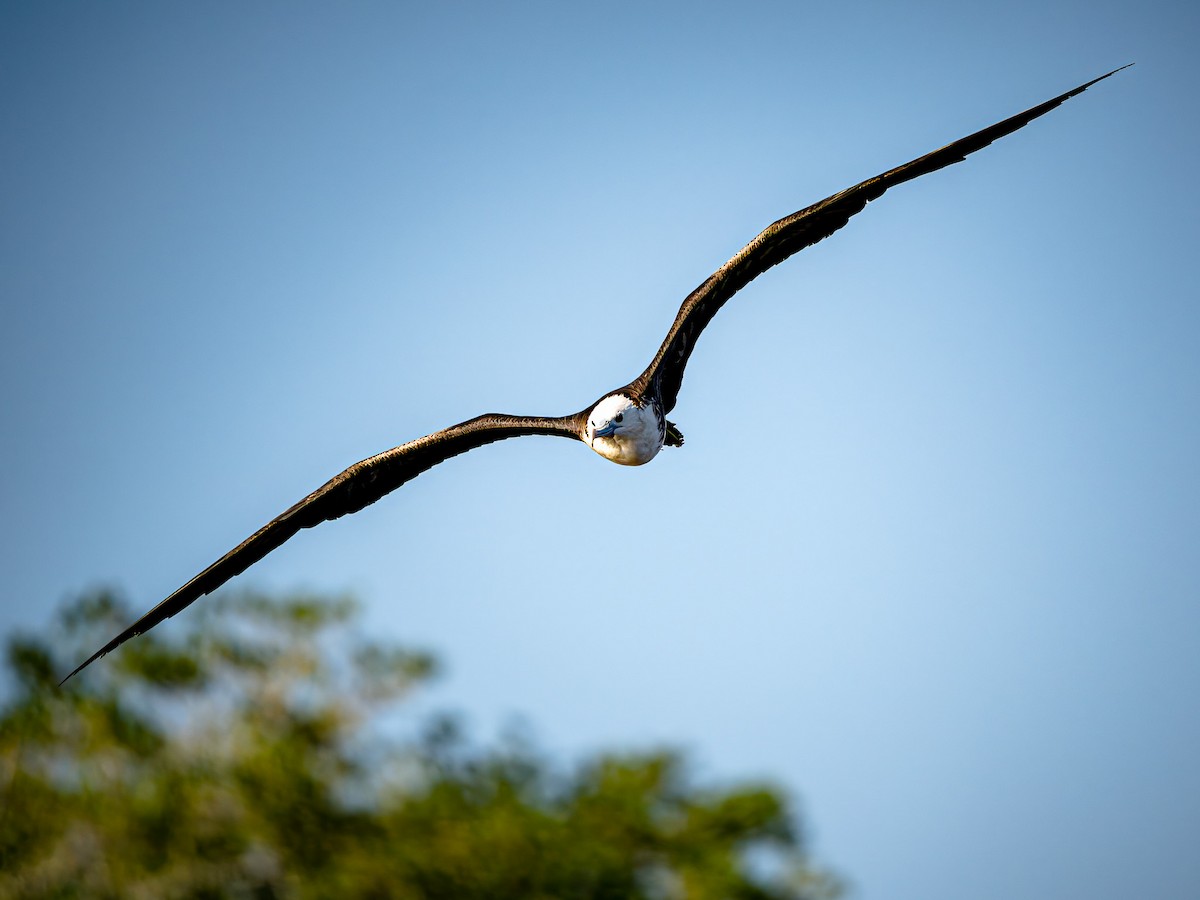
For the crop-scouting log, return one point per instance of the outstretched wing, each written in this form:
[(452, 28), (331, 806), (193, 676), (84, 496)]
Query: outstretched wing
[(799, 230), (359, 486)]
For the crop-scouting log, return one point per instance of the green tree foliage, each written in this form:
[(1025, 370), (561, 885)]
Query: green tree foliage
[(251, 758)]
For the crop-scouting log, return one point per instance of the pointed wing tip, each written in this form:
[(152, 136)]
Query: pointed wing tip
[(1084, 87), (1075, 92), (83, 665), (103, 651)]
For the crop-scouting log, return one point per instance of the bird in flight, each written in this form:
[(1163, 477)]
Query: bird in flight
[(628, 426)]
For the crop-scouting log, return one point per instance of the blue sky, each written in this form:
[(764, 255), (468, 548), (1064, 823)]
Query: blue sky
[(929, 556)]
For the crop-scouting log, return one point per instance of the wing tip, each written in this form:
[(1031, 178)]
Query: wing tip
[(83, 665), (1084, 87)]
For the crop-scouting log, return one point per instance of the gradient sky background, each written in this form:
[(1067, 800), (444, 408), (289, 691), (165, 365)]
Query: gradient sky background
[(929, 558)]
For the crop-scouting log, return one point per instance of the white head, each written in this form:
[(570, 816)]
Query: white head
[(620, 430)]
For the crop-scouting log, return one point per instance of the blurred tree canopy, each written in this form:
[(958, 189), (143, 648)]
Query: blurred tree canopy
[(247, 759)]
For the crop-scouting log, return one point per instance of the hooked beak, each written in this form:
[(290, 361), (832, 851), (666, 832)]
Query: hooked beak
[(607, 431)]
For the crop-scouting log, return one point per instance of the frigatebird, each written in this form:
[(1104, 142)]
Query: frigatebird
[(628, 425)]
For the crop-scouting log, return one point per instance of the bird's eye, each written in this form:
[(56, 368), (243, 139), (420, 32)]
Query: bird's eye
[(620, 417)]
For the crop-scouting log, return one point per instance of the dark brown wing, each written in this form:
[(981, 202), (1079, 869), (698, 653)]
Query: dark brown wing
[(797, 231), (359, 486)]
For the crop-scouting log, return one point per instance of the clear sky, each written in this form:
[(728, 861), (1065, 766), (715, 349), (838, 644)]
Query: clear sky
[(929, 557)]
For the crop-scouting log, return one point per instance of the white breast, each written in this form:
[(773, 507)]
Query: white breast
[(637, 437)]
